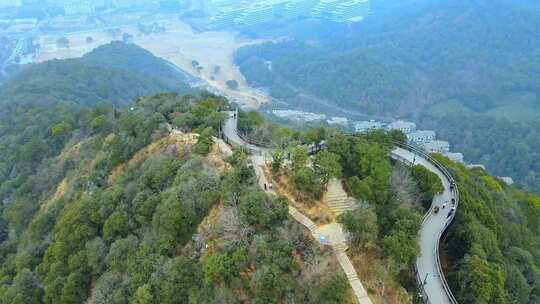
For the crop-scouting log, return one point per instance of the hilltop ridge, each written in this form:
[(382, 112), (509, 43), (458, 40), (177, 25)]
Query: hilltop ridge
[(115, 73)]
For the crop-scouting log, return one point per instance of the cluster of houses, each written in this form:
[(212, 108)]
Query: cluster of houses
[(303, 116), (298, 115), (426, 139)]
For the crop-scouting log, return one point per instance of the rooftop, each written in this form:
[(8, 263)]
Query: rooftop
[(458, 157), (424, 134), (338, 121), (436, 146), (367, 125), (402, 125)]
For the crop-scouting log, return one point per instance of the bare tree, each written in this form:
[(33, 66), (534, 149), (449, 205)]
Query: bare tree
[(404, 186)]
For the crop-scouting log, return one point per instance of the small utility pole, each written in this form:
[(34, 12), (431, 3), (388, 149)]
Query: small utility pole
[(425, 280)]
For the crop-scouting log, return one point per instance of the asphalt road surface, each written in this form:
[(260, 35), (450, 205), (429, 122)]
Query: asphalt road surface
[(432, 228)]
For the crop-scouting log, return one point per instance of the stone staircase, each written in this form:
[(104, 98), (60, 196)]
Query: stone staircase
[(359, 290), (339, 202), (337, 199), (340, 247), (304, 220)]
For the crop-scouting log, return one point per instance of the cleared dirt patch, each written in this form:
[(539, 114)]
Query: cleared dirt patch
[(376, 279), (317, 211), (216, 158), (176, 141), (60, 191)]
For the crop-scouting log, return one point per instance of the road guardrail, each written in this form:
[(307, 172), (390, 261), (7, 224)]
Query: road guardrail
[(455, 191)]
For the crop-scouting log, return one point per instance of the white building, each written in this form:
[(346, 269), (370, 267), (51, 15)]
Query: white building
[(367, 126), (350, 11), (231, 13), (507, 180), (298, 8), (323, 8), (403, 126), (437, 146), (421, 137), (257, 13), (226, 18), (298, 115), (474, 166), (342, 121), (457, 157)]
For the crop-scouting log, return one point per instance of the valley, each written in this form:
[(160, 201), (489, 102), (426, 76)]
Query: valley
[(207, 56)]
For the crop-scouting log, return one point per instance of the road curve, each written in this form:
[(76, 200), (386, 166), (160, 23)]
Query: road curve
[(232, 137), (430, 276), (431, 279)]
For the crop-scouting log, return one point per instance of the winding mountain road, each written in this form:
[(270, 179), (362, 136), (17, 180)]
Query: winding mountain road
[(231, 133), (430, 277)]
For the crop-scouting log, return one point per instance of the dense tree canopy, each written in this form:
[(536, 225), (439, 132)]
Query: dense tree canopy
[(115, 212), (493, 244), (428, 183)]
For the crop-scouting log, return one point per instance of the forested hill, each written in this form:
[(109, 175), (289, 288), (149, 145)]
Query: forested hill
[(105, 205), (491, 252), (100, 203), (115, 73), (45, 103), (479, 54), (134, 59)]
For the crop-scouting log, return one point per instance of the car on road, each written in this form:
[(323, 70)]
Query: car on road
[(436, 209)]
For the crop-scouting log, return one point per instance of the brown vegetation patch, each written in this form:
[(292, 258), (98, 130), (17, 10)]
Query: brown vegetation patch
[(215, 159), (175, 141), (316, 210), (73, 153), (59, 193), (373, 271), (206, 237)]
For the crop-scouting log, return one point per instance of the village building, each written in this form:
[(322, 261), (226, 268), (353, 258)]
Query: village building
[(367, 126), (421, 137), (457, 157), (403, 126), (437, 146)]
